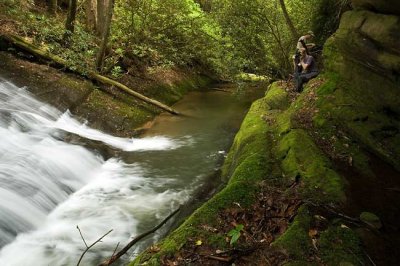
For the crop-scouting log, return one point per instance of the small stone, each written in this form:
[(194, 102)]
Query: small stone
[(371, 219)]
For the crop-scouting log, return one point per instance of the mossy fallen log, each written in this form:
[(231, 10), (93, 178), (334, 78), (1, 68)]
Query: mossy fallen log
[(20, 43)]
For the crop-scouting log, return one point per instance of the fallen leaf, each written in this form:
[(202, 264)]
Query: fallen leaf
[(344, 226), (199, 243)]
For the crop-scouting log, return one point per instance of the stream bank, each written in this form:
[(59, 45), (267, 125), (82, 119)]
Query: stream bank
[(105, 108)]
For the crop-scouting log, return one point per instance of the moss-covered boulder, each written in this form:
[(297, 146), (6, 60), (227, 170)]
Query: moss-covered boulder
[(362, 92)]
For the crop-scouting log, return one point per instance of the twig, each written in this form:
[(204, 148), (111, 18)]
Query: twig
[(361, 263), (333, 211), (366, 254), (218, 89), (81, 235), (88, 247), (135, 240), (115, 250), (394, 189), (223, 259)]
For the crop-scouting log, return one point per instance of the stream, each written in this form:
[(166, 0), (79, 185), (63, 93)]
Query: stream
[(57, 174)]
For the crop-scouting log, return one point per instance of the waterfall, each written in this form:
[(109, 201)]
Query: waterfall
[(49, 186)]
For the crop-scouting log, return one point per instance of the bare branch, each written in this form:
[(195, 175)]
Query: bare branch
[(81, 235), (88, 247), (135, 240)]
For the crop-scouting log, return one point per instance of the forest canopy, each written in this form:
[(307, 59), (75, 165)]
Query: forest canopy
[(217, 36)]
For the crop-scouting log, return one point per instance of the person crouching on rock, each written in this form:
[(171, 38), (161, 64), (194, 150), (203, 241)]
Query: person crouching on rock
[(306, 70), (303, 42)]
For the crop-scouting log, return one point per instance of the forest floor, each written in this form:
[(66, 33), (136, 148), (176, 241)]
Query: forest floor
[(267, 218)]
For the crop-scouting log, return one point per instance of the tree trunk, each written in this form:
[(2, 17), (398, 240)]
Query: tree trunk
[(101, 16), (104, 37), (42, 54), (289, 22), (91, 15), (52, 8), (70, 23)]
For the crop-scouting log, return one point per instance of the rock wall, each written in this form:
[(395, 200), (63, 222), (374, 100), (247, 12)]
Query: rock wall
[(364, 57)]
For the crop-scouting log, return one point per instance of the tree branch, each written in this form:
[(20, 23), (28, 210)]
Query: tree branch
[(135, 240), (88, 247)]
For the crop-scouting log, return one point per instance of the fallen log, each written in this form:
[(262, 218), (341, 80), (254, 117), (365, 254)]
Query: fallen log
[(43, 54)]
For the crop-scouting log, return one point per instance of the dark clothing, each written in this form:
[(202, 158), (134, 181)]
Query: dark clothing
[(302, 76), (312, 67)]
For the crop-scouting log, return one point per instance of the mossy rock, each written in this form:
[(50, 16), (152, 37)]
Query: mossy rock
[(340, 245), (296, 240), (301, 158), (371, 219), (276, 97), (363, 99)]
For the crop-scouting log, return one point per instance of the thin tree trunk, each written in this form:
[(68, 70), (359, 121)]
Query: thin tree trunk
[(91, 15), (289, 22), (70, 23), (101, 17), (52, 7), (104, 37)]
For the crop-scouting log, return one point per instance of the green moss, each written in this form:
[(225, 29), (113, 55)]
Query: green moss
[(338, 245), (328, 87), (350, 98), (250, 77), (250, 141), (301, 158), (371, 219), (171, 93), (296, 240), (276, 97), (284, 123)]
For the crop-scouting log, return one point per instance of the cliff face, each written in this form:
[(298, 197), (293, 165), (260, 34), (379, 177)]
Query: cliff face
[(363, 60)]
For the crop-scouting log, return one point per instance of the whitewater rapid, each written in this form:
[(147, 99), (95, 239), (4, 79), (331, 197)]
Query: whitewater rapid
[(49, 186)]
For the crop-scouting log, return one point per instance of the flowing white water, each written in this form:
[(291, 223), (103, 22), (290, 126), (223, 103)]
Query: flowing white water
[(48, 186)]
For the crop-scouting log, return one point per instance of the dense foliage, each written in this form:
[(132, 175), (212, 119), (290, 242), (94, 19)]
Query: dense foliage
[(218, 36)]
